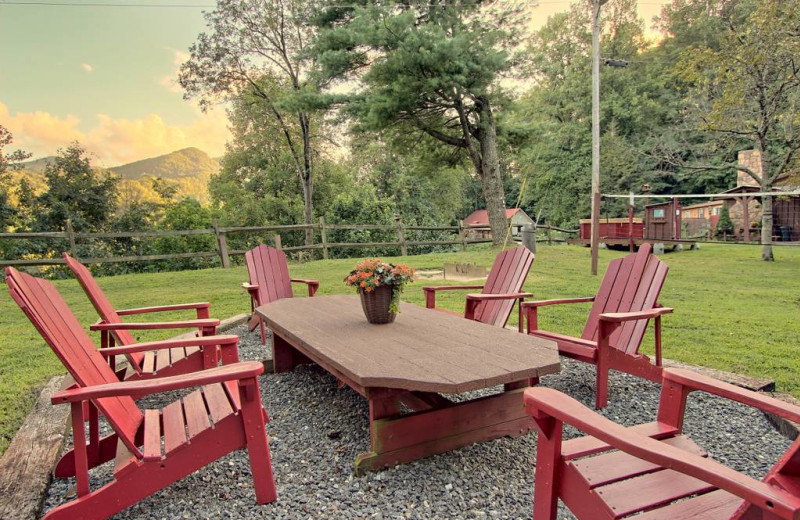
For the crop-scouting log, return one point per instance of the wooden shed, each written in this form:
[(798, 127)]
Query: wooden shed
[(612, 228), (663, 221)]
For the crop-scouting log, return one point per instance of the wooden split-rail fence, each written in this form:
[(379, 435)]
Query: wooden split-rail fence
[(462, 237)]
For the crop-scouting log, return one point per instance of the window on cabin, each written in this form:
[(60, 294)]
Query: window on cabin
[(658, 213)]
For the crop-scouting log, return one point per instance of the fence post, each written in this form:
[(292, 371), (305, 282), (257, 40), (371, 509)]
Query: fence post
[(324, 237), (549, 235), (73, 250), (278, 241), (462, 235), (222, 245), (401, 233)]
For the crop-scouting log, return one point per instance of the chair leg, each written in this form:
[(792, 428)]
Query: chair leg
[(601, 393), (254, 417), (548, 455), (263, 332)]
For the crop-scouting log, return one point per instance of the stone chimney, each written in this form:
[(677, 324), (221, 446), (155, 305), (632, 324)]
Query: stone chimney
[(752, 160)]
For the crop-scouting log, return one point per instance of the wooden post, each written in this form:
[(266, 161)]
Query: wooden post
[(631, 245), (549, 234), (222, 245), (462, 235), (595, 240), (745, 202), (278, 241), (401, 234), (324, 237), (73, 250)]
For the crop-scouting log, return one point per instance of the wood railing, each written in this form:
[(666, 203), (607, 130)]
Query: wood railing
[(462, 236)]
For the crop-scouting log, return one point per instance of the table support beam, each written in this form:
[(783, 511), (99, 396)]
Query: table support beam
[(403, 438)]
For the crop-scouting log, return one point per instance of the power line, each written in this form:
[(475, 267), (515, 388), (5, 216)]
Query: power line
[(201, 6), (95, 4)]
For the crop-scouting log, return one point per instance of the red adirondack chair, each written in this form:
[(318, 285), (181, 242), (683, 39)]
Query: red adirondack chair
[(146, 364), (653, 469), (229, 394), (269, 281), (625, 302), (502, 288)]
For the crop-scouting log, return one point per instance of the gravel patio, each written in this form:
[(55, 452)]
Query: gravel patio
[(317, 429)]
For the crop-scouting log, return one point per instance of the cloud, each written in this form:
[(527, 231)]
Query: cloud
[(115, 141), (87, 67), (170, 81)]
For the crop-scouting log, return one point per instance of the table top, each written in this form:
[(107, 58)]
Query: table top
[(423, 350)]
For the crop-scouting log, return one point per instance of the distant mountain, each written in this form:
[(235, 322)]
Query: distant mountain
[(189, 162), (37, 165), (188, 169)]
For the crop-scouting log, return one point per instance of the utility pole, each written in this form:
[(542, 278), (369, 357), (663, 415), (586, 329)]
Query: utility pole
[(595, 241)]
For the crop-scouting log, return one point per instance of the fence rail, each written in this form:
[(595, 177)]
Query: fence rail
[(465, 236)]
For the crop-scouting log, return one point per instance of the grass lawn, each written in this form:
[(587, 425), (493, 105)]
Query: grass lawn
[(732, 311)]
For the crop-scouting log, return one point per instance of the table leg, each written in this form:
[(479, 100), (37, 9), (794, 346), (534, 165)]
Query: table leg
[(402, 438), (284, 356)]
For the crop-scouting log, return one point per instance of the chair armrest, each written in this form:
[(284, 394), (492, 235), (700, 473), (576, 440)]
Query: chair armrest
[(164, 308), (543, 303), (201, 341), (619, 317), (242, 370), (313, 285), (529, 310), (249, 287), (505, 296), (543, 403), (207, 323), (763, 402), (451, 288), (307, 282)]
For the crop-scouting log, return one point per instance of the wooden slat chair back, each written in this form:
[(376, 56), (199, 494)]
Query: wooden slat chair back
[(151, 448), (622, 308), (654, 471), (269, 281), (503, 288), (268, 269), (102, 305), (630, 284), (59, 327), (508, 274), (156, 363)]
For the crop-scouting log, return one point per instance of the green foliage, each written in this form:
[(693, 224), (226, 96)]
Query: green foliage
[(75, 192), (8, 161), (361, 206), (724, 224), (433, 69)]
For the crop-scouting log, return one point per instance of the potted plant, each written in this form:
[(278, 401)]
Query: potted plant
[(379, 285)]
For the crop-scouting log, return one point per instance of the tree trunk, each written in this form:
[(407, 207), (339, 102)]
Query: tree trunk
[(766, 226), (307, 179), (491, 179)]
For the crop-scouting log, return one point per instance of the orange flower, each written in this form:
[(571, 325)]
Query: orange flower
[(363, 283)]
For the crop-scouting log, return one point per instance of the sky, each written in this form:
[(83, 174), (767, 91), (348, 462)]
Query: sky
[(106, 76)]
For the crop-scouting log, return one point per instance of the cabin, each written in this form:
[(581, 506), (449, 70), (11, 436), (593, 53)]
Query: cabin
[(663, 221), (480, 218)]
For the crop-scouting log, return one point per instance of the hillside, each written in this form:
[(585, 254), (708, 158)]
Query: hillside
[(189, 162), (188, 169), (37, 165)]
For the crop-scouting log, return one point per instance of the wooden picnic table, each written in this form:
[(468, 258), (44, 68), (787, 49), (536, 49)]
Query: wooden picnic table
[(412, 361)]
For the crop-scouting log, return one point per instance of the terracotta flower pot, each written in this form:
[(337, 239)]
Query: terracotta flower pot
[(376, 304)]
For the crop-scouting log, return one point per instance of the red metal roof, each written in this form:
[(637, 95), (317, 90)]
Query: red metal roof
[(481, 216)]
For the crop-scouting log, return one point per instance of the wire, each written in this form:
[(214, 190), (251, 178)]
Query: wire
[(202, 6)]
